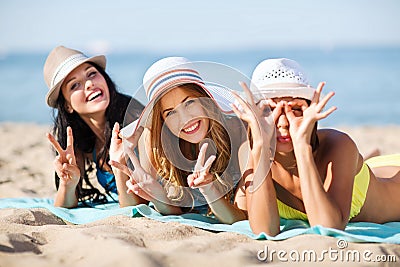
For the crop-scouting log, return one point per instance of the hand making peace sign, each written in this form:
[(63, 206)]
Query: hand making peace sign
[(141, 183), (201, 176), (65, 162)]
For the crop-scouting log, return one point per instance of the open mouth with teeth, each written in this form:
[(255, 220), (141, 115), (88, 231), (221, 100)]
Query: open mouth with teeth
[(192, 128), (94, 95)]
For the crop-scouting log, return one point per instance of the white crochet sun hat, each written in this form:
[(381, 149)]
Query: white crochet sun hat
[(167, 73), (280, 77)]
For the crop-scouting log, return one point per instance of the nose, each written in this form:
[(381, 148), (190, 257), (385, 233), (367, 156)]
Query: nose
[(184, 116), (89, 84), (282, 121)]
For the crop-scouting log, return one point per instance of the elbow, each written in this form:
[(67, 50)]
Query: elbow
[(338, 224), (240, 216), (271, 230)]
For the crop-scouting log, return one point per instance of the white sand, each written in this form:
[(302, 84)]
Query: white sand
[(35, 237)]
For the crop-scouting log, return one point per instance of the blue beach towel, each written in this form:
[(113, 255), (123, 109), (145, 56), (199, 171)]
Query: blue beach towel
[(354, 232)]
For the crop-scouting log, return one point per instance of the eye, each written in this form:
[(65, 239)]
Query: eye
[(169, 113), (297, 111), (74, 86), (189, 102), (92, 74)]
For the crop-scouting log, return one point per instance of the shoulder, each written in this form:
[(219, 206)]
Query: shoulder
[(336, 145), (334, 137)]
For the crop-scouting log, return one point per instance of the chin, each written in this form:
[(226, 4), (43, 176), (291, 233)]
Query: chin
[(284, 148)]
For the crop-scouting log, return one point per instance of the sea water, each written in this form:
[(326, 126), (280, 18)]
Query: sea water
[(366, 80)]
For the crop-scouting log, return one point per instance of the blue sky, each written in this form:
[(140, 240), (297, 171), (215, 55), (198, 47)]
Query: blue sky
[(102, 26)]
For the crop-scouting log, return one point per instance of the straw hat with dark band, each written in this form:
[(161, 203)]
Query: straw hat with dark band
[(59, 63)]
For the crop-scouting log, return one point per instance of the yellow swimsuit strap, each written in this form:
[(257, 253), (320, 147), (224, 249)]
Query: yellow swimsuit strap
[(385, 160), (360, 188)]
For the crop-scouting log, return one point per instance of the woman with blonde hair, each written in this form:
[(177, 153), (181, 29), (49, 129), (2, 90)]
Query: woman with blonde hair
[(187, 143)]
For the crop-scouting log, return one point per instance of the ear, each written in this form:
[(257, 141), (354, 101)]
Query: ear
[(68, 108)]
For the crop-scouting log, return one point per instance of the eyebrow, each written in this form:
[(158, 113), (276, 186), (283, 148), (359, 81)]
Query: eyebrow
[(72, 78), (169, 109)]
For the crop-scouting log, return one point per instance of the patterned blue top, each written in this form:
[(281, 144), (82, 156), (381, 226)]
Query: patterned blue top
[(105, 178)]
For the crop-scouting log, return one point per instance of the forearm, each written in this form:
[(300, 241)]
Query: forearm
[(66, 197), (261, 201), (221, 207), (262, 205), (125, 199), (164, 207), (320, 208)]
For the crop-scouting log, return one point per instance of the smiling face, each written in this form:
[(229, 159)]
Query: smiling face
[(85, 91), (283, 139), (184, 114)]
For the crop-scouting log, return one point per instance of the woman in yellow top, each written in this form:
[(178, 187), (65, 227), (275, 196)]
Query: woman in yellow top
[(316, 175)]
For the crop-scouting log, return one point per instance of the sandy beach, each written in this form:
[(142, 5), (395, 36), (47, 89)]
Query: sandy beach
[(36, 237)]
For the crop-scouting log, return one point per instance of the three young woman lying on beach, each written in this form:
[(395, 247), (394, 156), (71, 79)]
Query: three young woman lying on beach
[(87, 105), (188, 161)]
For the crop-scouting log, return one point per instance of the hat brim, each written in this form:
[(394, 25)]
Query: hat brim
[(297, 92), (53, 93), (221, 96)]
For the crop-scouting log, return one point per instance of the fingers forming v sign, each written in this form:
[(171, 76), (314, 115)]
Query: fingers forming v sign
[(65, 162), (141, 182), (201, 174)]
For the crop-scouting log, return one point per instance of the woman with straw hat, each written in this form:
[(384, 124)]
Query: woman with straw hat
[(87, 106)]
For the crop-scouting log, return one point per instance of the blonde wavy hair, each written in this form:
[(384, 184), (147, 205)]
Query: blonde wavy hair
[(164, 140)]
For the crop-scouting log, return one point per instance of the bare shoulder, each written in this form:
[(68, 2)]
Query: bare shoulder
[(338, 150), (334, 137), (336, 144)]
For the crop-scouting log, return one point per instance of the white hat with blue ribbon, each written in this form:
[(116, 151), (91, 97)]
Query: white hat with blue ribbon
[(168, 73)]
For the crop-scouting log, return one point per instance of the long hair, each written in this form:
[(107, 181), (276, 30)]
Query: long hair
[(85, 139), (162, 140)]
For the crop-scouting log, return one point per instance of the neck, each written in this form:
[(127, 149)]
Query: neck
[(286, 159), (97, 125)]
